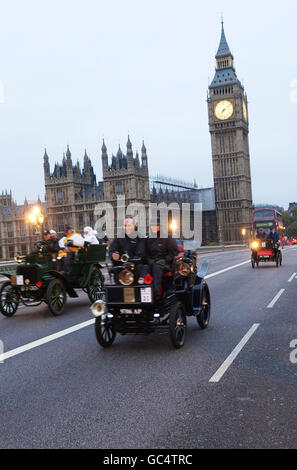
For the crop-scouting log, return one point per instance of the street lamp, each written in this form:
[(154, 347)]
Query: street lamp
[(36, 218)]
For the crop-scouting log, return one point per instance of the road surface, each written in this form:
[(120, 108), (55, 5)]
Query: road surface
[(233, 385)]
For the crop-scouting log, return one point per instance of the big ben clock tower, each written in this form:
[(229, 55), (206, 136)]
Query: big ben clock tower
[(229, 129)]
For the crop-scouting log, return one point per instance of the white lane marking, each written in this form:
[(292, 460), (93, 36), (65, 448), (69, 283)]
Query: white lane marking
[(275, 299), (46, 339), (227, 363), (79, 326), (227, 269), (292, 277)]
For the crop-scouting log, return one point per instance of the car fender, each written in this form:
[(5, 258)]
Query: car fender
[(199, 284), (70, 291)]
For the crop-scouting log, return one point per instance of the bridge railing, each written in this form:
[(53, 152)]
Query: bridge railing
[(8, 267)]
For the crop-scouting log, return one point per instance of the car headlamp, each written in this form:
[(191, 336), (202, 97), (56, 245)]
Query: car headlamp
[(126, 277), (255, 245), (184, 269), (98, 308)]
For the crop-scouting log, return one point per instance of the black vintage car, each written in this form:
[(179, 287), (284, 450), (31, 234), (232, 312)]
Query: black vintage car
[(38, 280), (129, 306)]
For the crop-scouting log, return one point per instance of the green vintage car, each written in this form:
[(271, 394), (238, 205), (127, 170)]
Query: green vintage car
[(38, 280)]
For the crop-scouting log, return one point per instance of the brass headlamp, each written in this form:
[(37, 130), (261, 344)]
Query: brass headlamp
[(126, 277)]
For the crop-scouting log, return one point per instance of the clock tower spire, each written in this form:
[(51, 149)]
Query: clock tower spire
[(229, 129)]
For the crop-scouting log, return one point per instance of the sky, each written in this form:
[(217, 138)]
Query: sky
[(73, 72)]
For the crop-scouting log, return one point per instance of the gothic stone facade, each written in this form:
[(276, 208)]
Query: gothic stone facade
[(229, 129), (72, 193)]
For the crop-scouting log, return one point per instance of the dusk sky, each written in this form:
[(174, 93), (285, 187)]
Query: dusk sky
[(75, 72)]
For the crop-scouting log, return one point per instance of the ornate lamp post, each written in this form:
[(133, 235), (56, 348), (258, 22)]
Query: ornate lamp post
[(36, 218)]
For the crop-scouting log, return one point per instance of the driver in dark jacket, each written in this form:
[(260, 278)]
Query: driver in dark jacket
[(160, 254), (133, 247), (47, 244)]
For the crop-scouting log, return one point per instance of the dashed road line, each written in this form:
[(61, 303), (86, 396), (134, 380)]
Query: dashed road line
[(227, 363), (227, 269), (292, 277), (275, 299)]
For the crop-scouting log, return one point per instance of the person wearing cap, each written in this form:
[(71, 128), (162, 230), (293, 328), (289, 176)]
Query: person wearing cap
[(52, 241), (133, 247), (47, 244), (160, 254), (90, 237)]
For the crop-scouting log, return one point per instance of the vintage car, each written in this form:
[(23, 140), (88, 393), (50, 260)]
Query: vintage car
[(264, 251), (129, 306), (38, 280)]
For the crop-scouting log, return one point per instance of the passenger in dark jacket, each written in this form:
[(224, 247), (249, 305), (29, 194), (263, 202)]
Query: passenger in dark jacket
[(160, 253), (133, 247)]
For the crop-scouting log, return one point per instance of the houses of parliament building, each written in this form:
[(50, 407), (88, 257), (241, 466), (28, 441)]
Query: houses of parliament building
[(72, 191)]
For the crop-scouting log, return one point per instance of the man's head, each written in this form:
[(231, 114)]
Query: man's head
[(46, 235), (67, 230), (129, 225)]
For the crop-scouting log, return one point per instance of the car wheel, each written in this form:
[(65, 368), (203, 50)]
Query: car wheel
[(9, 299), (204, 315), (177, 325), (105, 331), (95, 288), (56, 297)]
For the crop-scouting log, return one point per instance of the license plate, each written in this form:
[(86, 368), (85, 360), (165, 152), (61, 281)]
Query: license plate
[(130, 311), (263, 245), (146, 295), (17, 280), (129, 295)]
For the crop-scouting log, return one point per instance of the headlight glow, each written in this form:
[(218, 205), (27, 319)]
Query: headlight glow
[(255, 245)]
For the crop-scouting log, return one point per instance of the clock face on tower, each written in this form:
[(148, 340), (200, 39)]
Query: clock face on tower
[(244, 110), (224, 110)]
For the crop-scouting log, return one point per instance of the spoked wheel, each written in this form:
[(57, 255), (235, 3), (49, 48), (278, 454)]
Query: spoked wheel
[(9, 299), (56, 297), (204, 315), (96, 285), (105, 331), (177, 325)]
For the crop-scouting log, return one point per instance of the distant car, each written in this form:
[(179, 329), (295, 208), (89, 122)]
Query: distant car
[(294, 241)]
